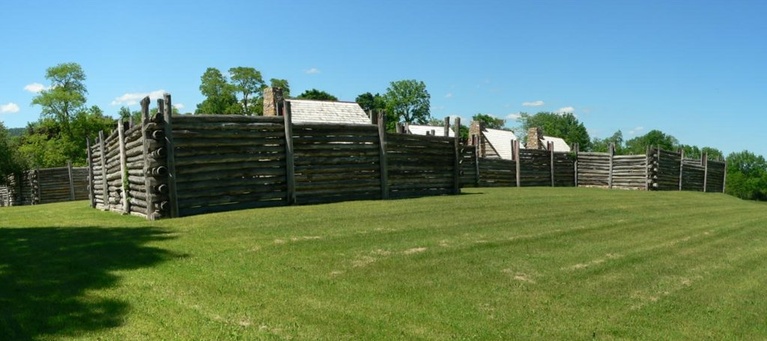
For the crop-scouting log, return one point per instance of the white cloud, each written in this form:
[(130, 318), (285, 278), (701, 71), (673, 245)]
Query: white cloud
[(179, 106), (9, 108), (566, 110), (533, 103), (635, 130), (514, 116), (313, 71), (449, 95), (133, 98), (35, 87)]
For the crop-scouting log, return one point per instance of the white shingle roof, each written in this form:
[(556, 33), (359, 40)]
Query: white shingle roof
[(501, 141), (310, 111), (559, 143), (422, 130)]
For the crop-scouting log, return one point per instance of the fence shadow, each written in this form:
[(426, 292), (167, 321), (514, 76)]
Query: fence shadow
[(45, 274)]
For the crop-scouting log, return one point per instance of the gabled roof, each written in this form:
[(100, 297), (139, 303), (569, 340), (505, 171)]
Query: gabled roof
[(311, 111), (559, 143), (423, 130), (501, 141)]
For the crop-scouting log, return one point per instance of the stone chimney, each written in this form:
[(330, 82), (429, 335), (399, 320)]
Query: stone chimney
[(535, 138), (272, 97)]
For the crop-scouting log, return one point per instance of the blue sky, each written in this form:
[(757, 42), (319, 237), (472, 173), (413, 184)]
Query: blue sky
[(694, 69)]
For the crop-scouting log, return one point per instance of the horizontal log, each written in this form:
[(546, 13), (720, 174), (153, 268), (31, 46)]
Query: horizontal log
[(233, 185), (224, 158), (251, 149), (216, 199)]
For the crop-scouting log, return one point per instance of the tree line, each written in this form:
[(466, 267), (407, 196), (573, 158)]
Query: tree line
[(59, 136)]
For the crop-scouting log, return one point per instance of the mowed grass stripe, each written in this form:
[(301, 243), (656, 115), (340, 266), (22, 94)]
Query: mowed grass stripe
[(501, 263)]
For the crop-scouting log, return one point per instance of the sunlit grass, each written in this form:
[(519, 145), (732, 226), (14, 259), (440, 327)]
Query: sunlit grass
[(540, 263)]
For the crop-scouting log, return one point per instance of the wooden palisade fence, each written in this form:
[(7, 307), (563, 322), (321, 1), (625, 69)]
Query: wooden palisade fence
[(192, 164), (656, 170), (44, 186), (186, 165)]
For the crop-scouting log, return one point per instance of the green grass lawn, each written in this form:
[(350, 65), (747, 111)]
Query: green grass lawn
[(530, 263)]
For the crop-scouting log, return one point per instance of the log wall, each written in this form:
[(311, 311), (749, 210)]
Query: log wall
[(420, 165), (187, 165), (45, 186)]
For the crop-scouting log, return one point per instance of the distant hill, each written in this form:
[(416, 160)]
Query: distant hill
[(16, 131)]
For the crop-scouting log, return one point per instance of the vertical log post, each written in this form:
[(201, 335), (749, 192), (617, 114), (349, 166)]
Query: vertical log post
[(91, 183), (71, 181), (681, 168), (517, 168), (104, 183), (123, 167), (383, 162), (447, 126), (36, 184), (456, 153), (575, 163), (611, 151), (647, 173), (148, 183), (550, 146), (704, 161), (476, 162), (290, 170), (170, 155), (724, 177)]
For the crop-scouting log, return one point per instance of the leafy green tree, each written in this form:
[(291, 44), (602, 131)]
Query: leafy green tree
[(603, 145), (281, 83), (219, 94), (490, 121), (247, 81), (370, 102), (653, 138), (10, 163), (45, 145), (407, 101), (317, 95), (693, 152), (65, 96), (747, 176), (565, 126)]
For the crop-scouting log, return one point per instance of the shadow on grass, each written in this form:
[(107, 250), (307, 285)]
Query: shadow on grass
[(45, 274)]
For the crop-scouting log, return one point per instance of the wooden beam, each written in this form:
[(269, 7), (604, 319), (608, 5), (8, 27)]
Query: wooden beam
[(170, 156), (381, 121), (290, 168), (148, 177), (456, 154), (123, 167), (517, 166), (611, 151), (104, 183), (550, 146), (91, 183)]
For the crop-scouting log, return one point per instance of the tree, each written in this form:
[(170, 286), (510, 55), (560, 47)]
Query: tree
[(247, 81), (370, 102), (693, 152), (653, 138), (603, 145), (746, 176), (65, 96), (281, 83), (318, 95), (565, 126), (407, 101), (489, 121), (219, 95), (10, 162)]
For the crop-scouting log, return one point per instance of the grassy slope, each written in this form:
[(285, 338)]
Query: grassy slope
[(493, 264)]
